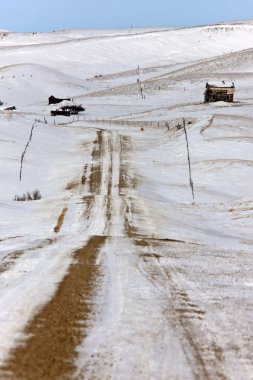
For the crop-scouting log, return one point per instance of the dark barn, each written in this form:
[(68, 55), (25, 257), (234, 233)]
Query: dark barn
[(216, 93), (53, 100)]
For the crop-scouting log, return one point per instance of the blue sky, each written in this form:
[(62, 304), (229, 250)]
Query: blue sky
[(46, 15)]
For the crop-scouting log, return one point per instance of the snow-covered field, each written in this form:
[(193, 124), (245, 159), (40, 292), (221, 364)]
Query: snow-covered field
[(122, 270)]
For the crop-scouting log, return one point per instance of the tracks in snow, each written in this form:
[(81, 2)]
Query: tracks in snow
[(149, 320), (59, 327), (201, 350)]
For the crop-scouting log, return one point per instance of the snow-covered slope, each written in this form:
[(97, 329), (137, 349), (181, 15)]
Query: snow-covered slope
[(120, 172)]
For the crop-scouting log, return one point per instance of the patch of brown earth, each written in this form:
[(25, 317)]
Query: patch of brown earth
[(125, 179), (96, 154), (88, 200), (141, 243), (72, 185), (60, 220), (49, 351), (94, 180), (127, 182)]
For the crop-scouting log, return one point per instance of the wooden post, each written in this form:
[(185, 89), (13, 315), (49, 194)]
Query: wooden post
[(189, 161)]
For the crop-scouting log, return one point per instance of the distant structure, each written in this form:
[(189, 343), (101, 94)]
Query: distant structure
[(68, 110), (53, 100), (222, 93)]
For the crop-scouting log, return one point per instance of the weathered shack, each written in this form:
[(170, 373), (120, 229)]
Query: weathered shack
[(53, 100), (219, 93)]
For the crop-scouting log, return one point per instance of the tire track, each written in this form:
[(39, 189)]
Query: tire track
[(50, 348), (184, 316), (203, 354), (10, 259)]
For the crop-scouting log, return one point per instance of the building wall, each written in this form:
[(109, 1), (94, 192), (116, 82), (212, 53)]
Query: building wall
[(219, 94)]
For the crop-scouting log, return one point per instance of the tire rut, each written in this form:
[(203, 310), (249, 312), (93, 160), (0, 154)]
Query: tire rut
[(96, 169), (203, 354), (10, 259), (49, 350)]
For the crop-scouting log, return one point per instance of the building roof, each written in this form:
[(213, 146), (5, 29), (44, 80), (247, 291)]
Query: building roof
[(222, 84)]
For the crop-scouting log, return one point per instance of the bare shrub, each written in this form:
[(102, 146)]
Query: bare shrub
[(36, 195), (29, 196), (20, 198)]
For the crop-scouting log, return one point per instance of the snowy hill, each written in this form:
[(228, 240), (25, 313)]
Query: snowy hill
[(172, 246)]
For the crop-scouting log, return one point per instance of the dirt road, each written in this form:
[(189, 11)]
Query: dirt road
[(131, 306)]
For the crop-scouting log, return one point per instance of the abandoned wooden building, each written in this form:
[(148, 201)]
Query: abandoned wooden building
[(222, 93)]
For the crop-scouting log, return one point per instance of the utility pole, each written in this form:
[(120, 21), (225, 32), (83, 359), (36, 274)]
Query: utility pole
[(189, 161)]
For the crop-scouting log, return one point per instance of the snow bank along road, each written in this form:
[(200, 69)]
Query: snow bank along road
[(116, 273)]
